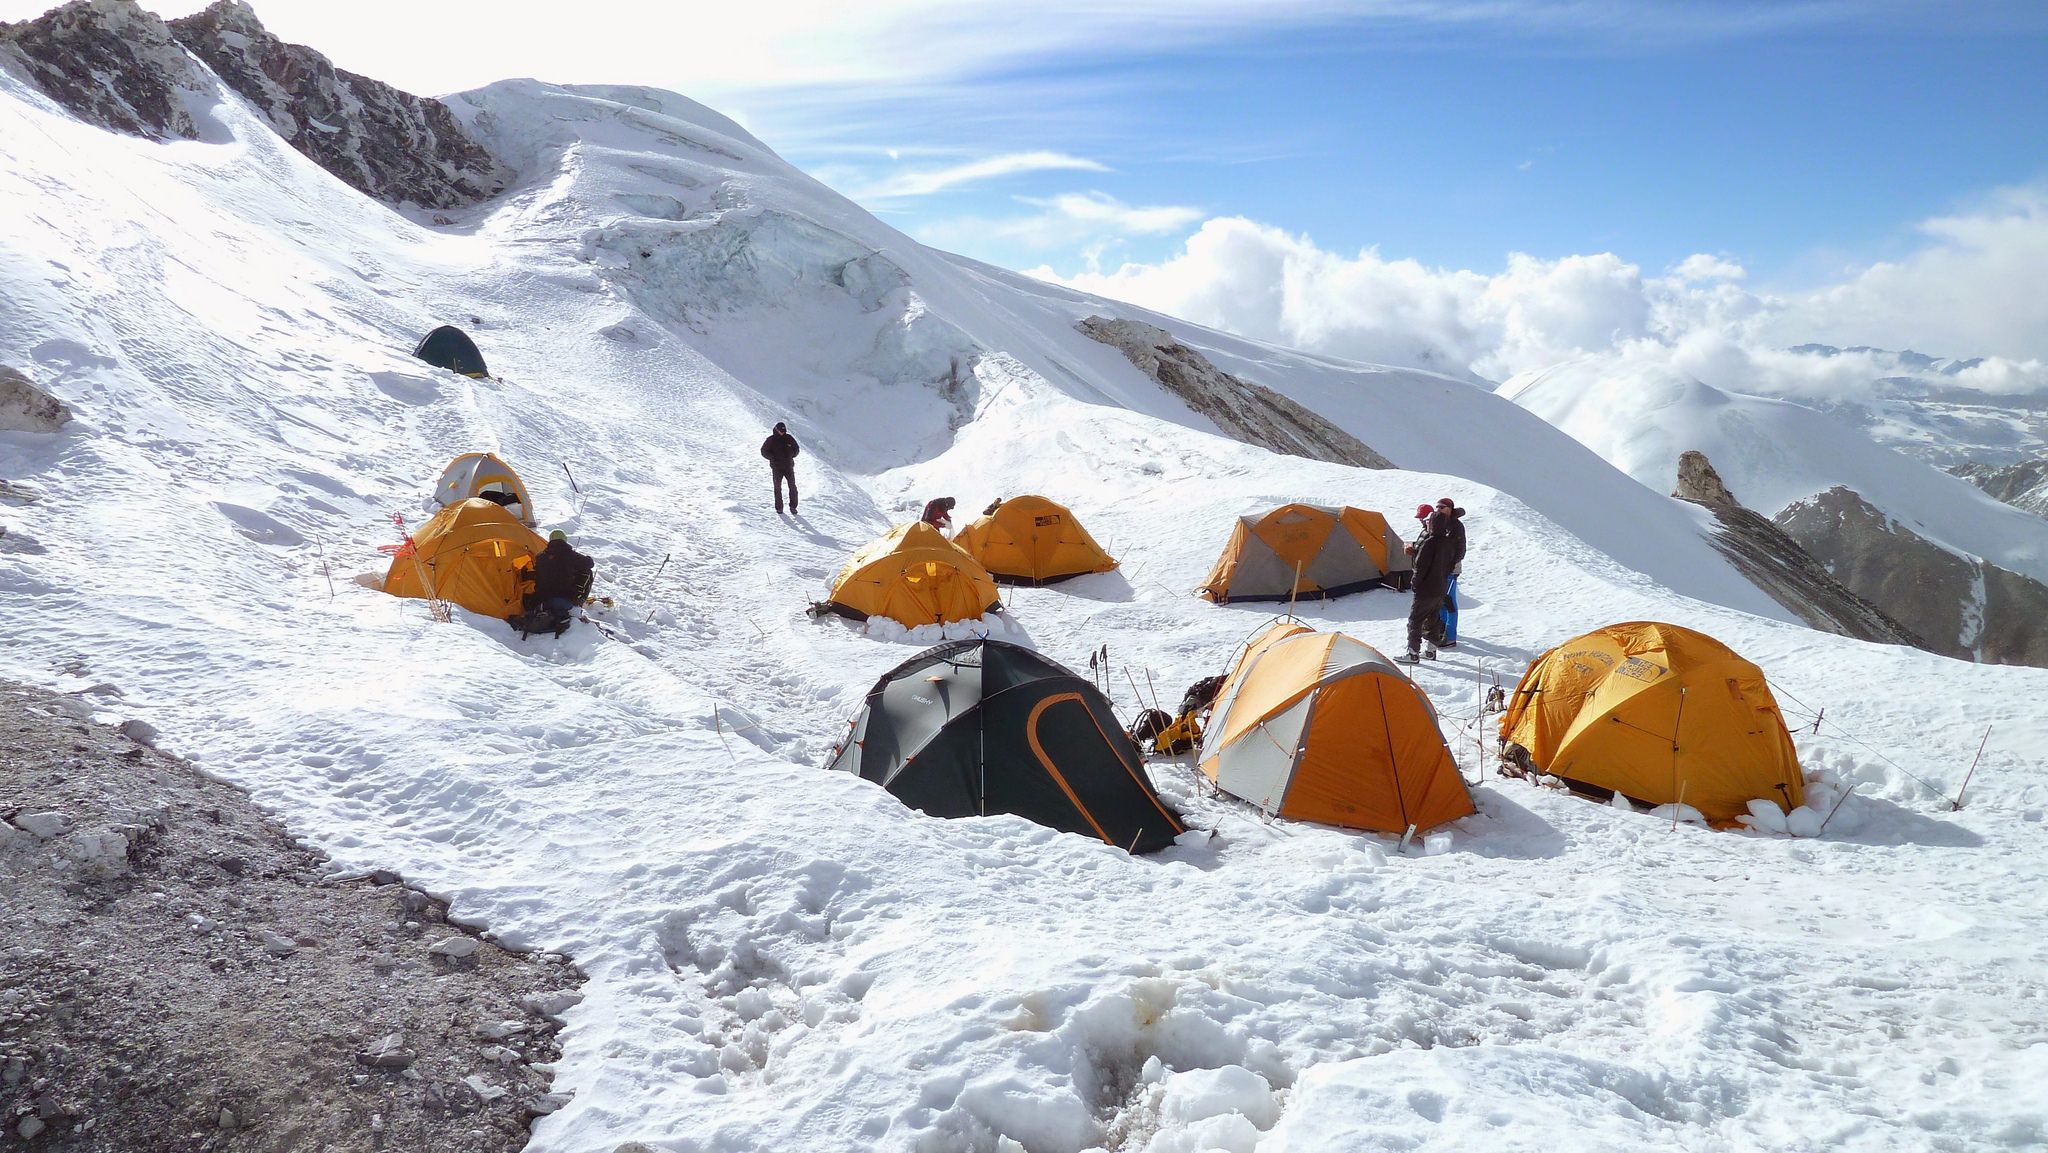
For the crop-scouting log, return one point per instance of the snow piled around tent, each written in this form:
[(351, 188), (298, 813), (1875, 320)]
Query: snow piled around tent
[(783, 958)]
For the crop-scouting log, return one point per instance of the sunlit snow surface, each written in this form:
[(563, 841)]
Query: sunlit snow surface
[(787, 959)]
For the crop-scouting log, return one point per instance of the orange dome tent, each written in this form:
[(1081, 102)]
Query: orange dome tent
[(1321, 727), (473, 553), (1030, 540), (914, 576), (1657, 713), (1307, 550)]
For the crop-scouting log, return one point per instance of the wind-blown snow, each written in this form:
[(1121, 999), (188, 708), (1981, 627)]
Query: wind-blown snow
[(783, 958)]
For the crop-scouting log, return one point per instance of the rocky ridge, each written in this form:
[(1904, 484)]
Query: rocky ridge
[(1961, 606), (2022, 485), (1240, 409), (1777, 564), (112, 63)]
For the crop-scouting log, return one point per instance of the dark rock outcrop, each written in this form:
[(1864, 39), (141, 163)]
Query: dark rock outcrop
[(110, 63), (1244, 411), (388, 144), (1961, 606), (26, 408), (2023, 485), (1777, 564)]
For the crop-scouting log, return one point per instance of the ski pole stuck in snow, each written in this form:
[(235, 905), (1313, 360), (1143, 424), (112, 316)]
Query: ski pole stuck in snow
[(1957, 806)]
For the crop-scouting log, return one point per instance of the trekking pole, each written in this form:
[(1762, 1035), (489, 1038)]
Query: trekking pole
[(573, 486), (329, 574), (1957, 806)]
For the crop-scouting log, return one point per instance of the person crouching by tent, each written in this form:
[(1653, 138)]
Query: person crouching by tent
[(1434, 552), (561, 580), (938, 513), (780, 451), (1449, 631)]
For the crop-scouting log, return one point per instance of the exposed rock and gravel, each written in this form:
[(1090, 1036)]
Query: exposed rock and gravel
[(115, 64), (1961, 606), (1777, 564), (177, 974), (26, 408), (1240, 409)]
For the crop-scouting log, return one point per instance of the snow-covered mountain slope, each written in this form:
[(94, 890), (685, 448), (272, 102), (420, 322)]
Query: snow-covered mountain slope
[(1943, 410), (783, 958), (1771, 453)]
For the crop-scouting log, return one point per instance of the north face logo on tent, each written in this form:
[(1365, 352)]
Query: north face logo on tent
[(1641, 669), (1043, 521)]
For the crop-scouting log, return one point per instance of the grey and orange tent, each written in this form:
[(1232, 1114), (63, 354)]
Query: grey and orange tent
[(981, 727), (472, 553), (1030, 540), (1658, 713), (1307, 551), (482, 474), (1322, 727), (913, 576)]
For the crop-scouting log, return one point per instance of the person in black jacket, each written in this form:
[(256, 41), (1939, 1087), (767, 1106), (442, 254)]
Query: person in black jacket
[(780, 450), (1435, 554), (1449, 613), (561, 581)]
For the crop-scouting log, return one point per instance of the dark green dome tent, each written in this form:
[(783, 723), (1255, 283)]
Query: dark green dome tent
[(976, 727), (451, 348)]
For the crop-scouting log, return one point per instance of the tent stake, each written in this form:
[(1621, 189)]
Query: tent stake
[(1838, 805), (1957, 806)]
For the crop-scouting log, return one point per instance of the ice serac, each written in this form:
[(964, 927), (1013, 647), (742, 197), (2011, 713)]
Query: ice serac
[(1240, 409), (385, 143), (1779, 566), (1961, 606), (2023, 485), (110, 63)]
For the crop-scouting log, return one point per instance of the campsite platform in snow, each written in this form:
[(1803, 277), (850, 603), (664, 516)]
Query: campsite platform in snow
[(782, 958)]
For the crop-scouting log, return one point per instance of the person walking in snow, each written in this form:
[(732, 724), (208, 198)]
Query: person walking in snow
[(780, 450), (1449, 631), (1435, 552), (938, 513)]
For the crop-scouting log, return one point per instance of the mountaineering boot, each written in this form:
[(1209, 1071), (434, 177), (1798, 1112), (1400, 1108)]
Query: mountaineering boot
[(1410, 657), (1429, 653)]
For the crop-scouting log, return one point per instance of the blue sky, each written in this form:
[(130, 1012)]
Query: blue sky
[(1792, 153)]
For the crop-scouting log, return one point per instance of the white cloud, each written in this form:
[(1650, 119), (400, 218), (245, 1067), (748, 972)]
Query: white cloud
[(927, 181), (1978, 286), (1700, 266), (1091, 221)]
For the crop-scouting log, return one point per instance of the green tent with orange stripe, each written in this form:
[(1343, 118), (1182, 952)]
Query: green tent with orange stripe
[(982, 727)]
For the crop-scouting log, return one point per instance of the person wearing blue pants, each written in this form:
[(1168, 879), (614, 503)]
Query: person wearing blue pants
[(1449, 613)]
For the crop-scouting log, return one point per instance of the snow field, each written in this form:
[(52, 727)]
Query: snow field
[(783, 958)]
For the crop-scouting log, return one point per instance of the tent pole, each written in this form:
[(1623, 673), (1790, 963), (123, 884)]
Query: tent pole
[(1677, 786)]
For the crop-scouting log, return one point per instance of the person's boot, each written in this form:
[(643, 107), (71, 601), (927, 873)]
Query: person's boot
[(1429, 652), (1411, 657)]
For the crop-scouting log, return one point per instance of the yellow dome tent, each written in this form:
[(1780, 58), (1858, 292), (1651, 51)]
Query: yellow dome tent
[(1322, 727), (473, 553), (483, 474), (1307, 550), (1030, 540), (914, 576), (1657, 713)]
